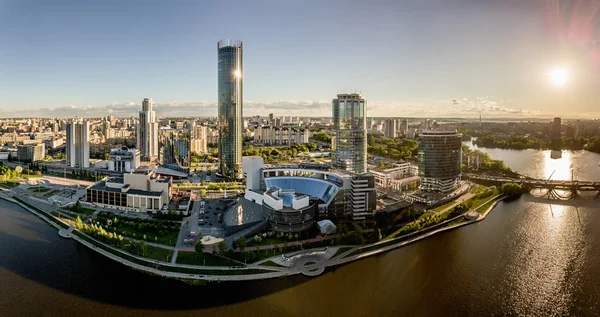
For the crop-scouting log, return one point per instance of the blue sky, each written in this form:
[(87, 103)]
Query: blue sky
[(408, 58)]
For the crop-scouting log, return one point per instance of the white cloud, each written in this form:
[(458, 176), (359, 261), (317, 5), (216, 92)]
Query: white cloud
[(487, 106)]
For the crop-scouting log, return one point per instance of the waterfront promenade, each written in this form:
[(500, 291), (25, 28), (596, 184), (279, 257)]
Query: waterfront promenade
[(310, 262)]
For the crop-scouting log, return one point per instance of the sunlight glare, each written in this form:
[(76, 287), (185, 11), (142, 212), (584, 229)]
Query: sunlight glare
[(559, 76)]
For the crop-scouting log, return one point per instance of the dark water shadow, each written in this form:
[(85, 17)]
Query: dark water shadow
[(67, 266)]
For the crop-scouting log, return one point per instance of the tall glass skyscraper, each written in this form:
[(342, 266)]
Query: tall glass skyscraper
[(349, 142), (440, 160), (230, 98)]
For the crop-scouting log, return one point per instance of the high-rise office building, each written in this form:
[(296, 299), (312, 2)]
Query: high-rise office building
[(555, 133), (78, 144), (556, 127), (175, 149), (349, 142), (390, 128), (404, 127), (230, 98), (440, 160), (199, 138), (147, 131)]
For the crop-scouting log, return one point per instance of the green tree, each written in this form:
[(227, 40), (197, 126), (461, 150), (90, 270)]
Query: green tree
[(512, 189), (143, 248), (222, 248), (241, 243), (199, 247)]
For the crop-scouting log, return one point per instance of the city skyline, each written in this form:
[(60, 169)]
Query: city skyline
[(97, 58)]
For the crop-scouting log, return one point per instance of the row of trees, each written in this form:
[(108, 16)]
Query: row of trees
[(322, 137), (394, 148), (518, 142), (487, 163), (513, 142), (270, 153), (98, 232)]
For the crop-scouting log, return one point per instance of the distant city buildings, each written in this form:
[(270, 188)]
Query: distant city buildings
[(29, 153), (147, 131), (280, 136), (390, 128), (349, 142), (230, 107), (440, 160), (78, 143)]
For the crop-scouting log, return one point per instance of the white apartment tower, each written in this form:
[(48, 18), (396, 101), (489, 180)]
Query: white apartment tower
[(147, 131), (78, 144), (391, 128)]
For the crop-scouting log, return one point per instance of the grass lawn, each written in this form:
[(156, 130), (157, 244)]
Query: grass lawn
[(426, 214), (341, 250), (192, 258), (446, 205), (128, 257), (485, 207), (271, 263), (81, 210), (457, 221), (158, 253), (480, 201), (168, 239)]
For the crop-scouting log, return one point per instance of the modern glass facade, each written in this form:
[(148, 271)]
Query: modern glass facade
[(440, 159), (349, 142), (230, 98), (175, 149)]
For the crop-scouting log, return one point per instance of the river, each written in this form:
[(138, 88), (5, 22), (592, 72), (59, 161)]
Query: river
[(527, 258)]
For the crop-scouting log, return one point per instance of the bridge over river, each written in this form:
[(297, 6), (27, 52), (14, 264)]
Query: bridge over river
[(559, 189)]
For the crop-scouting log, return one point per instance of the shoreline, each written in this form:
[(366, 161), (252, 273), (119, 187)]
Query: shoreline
[(310, 262)]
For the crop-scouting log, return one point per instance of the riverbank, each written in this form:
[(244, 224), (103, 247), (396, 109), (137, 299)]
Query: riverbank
[(311, 262)]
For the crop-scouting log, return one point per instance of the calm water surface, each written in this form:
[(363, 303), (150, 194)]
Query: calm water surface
[(527, 258)]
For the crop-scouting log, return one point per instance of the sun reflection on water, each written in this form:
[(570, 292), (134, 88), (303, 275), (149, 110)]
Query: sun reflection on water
[(558, 169)]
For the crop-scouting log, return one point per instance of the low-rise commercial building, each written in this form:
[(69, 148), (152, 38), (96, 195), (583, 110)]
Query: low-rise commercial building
[(141, 191), (397, 177), (123, 159), (303, 194)]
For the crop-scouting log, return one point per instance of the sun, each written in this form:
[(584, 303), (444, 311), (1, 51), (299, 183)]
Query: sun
[(559, 76)]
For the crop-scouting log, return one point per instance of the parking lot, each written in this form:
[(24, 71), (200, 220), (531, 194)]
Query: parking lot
[(209, 225)]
